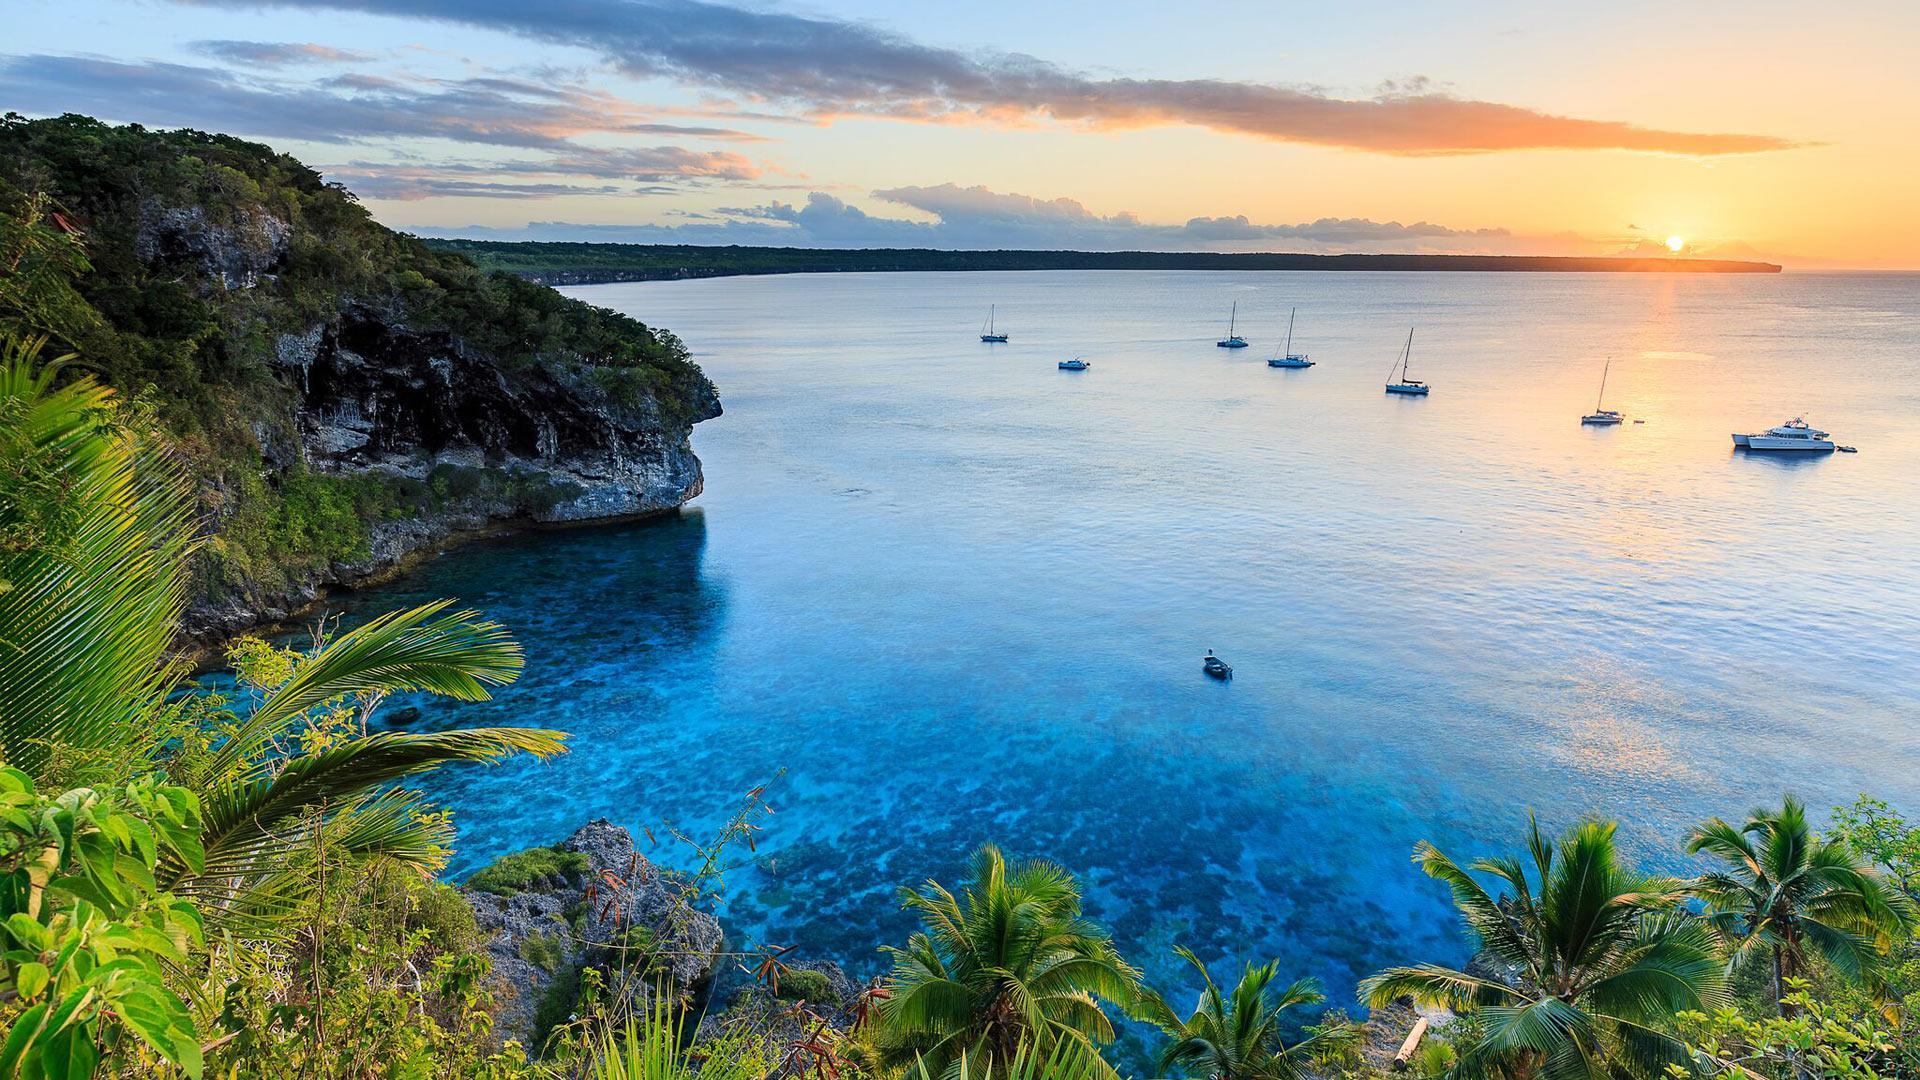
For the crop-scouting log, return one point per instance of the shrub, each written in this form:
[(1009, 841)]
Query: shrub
[(517, 872)]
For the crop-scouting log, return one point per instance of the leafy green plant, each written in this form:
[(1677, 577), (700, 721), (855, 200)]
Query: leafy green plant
[(1009, 964), (1821, 1039), (1598, 961), (1788, 896), (1239, 1036), (649, 1047), (518, 871), (87, 935)]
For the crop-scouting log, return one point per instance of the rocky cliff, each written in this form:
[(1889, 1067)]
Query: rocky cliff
[(346, 397)]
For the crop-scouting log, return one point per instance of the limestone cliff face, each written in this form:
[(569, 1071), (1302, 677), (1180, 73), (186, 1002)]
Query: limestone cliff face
[(343, 396), (496, 445)]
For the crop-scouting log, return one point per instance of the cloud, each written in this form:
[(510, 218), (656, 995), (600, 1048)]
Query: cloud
[(831, 67), (276, 53), (652, 166), (976, 218), (497, 112)]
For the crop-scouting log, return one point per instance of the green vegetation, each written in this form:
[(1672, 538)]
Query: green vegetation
[(1240, 1036), (799, 984), (517, 871), (1596, 959), (1787, 897), (562, 263), (1008, 964), (174, 261), (194, 860)]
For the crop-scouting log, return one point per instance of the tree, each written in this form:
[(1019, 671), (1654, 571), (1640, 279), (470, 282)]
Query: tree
[(171, 814), (1593, 960), (1790, 896), (1238, 1036), (1008, 966)]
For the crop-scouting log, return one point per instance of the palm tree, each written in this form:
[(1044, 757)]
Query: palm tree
[(1791, 896), (1595, 961), (1008, 966), (1238, 1036), (96, 530)]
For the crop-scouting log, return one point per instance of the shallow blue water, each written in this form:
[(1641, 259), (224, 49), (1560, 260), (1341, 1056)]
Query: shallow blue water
[(960, 596)]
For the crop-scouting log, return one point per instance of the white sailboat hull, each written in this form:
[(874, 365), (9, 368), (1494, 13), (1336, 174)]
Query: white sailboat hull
[(1416, 389)]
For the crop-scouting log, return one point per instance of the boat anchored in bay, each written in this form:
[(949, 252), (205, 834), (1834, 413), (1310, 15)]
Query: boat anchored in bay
[(1232, 340), (1405, 385), (1286, 357), (989, 333), (1075, 364), (1794, 435), (1600, 416)]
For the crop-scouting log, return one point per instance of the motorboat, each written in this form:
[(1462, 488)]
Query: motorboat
[(1075, 364), (1794, 435), (1216, 667)]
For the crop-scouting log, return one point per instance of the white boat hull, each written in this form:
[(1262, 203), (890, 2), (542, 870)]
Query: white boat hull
[(1231, 343), (1289, 362), (1740, 440), (1769, 442), (1406, 388), (1602, 419)]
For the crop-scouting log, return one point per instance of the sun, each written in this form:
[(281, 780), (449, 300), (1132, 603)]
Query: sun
[(1675, 243)]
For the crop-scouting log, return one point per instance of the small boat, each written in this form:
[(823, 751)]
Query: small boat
[(1405, 385), (1075, 364), (1216, 667), (1600, 416), (1287, 358), (1795, 434), (1232, 340), (988, 333)]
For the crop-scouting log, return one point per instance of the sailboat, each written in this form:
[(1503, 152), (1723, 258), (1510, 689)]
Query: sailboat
[(1232, 340), (1600, 415), (988, 333), (1406, 385), (1287, 358)]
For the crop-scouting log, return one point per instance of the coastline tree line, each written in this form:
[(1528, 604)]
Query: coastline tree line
[(243, 884)]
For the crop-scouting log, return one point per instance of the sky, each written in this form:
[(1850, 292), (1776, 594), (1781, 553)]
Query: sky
[(1762, 129)]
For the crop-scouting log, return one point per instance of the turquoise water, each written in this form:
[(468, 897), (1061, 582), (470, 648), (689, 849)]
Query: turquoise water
[(959, 595)]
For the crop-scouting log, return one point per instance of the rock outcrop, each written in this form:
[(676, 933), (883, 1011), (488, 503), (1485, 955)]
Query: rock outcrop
[(607, 909)]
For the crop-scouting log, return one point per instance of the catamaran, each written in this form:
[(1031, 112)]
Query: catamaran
[(987, 332), (1795, 434), (1406, 385), (1232, 340), (1287, 358), (1600, 415)]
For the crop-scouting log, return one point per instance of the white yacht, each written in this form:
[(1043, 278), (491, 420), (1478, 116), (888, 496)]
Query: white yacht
[(1599, 415), (1075, 364), (1404, 385), (1795, 434), (1232, 340), (1287, 358)]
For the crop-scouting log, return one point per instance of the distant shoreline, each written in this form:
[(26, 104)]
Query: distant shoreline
[(552, 263)]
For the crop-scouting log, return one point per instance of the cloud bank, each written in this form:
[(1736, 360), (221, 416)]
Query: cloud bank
[(830, 67), (975, 218), (276, 53), (353, 108)]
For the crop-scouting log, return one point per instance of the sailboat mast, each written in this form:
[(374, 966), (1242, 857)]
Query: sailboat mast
[(1231, 316), (1603, 385), (1290, 315), (1406, 356)]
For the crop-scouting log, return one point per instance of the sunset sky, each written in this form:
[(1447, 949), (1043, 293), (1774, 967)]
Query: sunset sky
[(1784, 131)]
